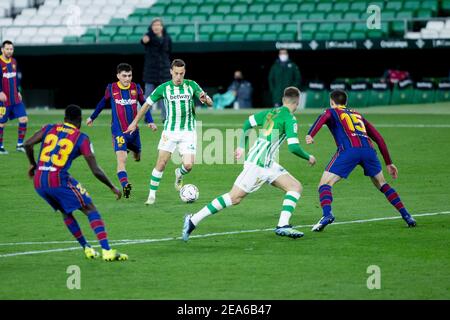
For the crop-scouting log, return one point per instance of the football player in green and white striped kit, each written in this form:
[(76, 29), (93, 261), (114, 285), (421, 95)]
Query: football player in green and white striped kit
[(179, 127), (279, 124)]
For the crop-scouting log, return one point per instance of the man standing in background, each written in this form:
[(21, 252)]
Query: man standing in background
[(158, 48), (11, 105), (243, 91), (284, 73)]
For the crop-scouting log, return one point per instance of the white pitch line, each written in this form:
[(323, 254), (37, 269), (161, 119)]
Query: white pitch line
[(138, 241)]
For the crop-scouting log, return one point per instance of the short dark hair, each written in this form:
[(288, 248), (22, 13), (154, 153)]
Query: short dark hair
[(339, 97), (7, 42), (124, 67), (177, 63), (291, 93), (73, 113)]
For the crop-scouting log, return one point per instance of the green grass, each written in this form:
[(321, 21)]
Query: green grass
[(414, 263)]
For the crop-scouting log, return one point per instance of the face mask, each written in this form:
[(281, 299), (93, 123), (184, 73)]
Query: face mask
[(283, 57)]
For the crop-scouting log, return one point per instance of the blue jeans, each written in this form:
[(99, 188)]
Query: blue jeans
[(149, 87)]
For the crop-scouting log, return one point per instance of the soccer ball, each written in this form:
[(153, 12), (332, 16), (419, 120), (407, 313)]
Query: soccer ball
[(189, 193)]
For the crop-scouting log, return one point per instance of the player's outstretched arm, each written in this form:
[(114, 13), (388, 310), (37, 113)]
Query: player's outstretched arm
[(320, 121), (100, 175), (98, 109), (28, 145), (204, 98)]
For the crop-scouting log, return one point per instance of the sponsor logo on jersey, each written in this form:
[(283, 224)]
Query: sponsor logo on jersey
[(9, 75), (186, 96), (44, 168), (124, 102)]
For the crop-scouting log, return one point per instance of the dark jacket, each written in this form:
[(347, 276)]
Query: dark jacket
[(244, 92), (157, 58), (282, 75)]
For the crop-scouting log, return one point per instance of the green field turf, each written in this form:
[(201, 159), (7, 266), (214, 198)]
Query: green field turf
[(224, 263)]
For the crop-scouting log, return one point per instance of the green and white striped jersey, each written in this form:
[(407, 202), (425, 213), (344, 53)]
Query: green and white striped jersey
[(179, 104), (278, 124)]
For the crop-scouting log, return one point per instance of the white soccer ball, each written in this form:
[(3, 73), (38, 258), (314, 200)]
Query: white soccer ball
[(189, 193)]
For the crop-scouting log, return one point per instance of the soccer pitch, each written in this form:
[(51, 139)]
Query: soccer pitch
[(235, 254)]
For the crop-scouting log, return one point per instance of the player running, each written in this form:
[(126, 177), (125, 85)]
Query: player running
[(278, 125), (123, 96), (11, 105), (351, 133), (61, 144), (179, 126)]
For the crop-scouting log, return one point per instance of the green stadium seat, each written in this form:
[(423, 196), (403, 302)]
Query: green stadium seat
[(351, 15), (207, 9), (253, 36), (120, 38), (424, 13), (394, 5), (388, 14), (341, 6), (398, 27), (125, 30), (155, 10), (273, 8), (190, 9), (117, 21), (258, 27), (275, 27), (286, 36), (256, 8), (133, 20), (379, 97), (359, 26), (265, 17), (186, 37), (140, 30), (241, 28), (108, 30), (219, 37), (358, 99), (411, 5), (339, 35), (87, 39), (207, 28), (309, 27), (316, 16), (289, 7), (405, 14), (232, 17), (190, 28), (174, 9), (282, 17), (239, 8), (136, 38), (174, 29), (430, 4), (223, 8), (446, 6), (224, 28), (291, 27), (236, 36), (375, 34), (326, 27), (316, 99), (182, 18), (424, 96), (322, 36), (215, 17), (249, 17), (325, 7), (307, 7), (307, 36), (199, 17), (357, 35), (70, 39), (269, 36), (205, 37), (142, 11), (360, 6), (334, 16), (402, 96), (344, 26), (302, 16)]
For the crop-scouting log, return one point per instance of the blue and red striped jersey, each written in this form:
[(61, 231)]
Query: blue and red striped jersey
[(9, 83), (61, 144), (123, 105), (350, 130)]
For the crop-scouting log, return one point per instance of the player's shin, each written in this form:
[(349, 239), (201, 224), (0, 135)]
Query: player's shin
[(326, 198), (289, 204), (154, 182), (393, 197), (21, 131), (98, 227), (1, 136), (75, 229), (123, 178), (219, 203)]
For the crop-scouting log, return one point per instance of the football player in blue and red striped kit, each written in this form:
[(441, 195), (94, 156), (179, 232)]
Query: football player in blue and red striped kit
[(11, 105), (352, 134), (60, 145), (123, 96)]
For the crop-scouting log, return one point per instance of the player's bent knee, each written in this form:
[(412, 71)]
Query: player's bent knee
[(188, 166), (88, 209), (297, 187)]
